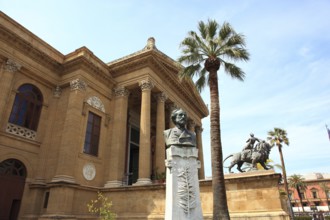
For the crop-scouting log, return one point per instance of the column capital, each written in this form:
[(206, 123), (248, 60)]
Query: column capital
[(12, 66), (198, 129), (161, 97), (121, 91), (57, 91), (146, 84), (172, 106), (78, 84)]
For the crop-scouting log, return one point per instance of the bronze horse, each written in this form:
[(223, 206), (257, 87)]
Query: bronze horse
[(259, 154)]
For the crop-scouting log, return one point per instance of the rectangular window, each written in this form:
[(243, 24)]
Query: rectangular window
[(302, 195), (92, 137), (314, 195), (46, 200)]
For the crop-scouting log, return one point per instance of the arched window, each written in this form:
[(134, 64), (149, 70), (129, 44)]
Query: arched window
[(27, 107), (12, 167)]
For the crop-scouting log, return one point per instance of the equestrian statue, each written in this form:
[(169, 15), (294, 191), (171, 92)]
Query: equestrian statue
[(251, 154)]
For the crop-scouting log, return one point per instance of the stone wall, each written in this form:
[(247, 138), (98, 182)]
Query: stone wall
[(253, 195)]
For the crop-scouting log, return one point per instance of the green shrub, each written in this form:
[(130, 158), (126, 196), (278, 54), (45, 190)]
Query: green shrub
[(327, 218), (102, 207)]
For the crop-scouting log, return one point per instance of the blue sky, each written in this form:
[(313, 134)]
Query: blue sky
[(287, 78)]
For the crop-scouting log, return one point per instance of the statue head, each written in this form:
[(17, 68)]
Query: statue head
[(179, 117), (252, 135)]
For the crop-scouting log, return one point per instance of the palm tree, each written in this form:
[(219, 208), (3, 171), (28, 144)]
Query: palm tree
[(203, 54), (277, 137), (297, 182), (326, 190)]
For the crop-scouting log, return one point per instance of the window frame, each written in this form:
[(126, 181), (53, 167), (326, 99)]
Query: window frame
[(27, 107), (314, 194), (92, 137), (302, 195)]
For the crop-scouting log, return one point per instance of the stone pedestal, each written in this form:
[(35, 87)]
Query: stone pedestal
[(182, 185)]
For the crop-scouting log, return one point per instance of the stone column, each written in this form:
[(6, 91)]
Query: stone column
[(119, 137), (160, 127), (145, 146), (9, 68), (70, 142), (172, 107), (191, 125), (45, 149), (199, 143)]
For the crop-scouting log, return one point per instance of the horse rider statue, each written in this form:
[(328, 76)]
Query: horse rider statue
[(247, 149), (259, 154)]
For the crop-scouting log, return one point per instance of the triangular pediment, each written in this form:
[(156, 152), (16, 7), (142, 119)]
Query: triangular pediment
[(164, 67)]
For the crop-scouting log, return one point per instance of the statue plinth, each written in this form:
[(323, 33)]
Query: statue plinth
[(182, 185)]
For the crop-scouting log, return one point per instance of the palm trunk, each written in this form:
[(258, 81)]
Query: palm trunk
[(284, 178), (220, 207), (300, 200)]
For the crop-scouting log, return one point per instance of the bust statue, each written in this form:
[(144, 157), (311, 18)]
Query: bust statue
[(179, 136)]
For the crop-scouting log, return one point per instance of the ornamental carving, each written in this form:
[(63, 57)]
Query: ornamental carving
[(161, 97), (78, 84), (146, 85), (21, 131), (151, 44), (57, 92), (95, 102), (89, 171), (121, 91), (186, 189), (12, 66)]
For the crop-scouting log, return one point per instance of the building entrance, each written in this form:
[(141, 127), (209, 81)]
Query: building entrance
[(12, 180), (133, 163)]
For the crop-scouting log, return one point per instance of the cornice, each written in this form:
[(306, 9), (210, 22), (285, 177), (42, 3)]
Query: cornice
[(130, 63), (27, 48), (183, 87), (82, 63), (22, 40)]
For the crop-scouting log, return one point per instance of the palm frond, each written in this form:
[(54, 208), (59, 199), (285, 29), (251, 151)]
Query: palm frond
[(225, 32), (234, 71), (201, 82), (278, 136), (190, 71), (236, 40), (202, 29), (215, 42), (212, 28), (235, 54)]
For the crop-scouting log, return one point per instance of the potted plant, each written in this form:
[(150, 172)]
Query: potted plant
[(160, 177)]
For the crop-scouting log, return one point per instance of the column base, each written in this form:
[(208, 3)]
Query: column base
[(143, 181), (63, 178), (113, 184), (39, 181)]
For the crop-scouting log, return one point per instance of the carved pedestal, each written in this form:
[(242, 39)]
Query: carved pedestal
[(182, 185)]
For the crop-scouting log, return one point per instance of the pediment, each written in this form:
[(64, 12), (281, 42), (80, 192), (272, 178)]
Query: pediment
[(165, 68)]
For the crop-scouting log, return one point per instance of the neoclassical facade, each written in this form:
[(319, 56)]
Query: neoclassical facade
[(71, 123)]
